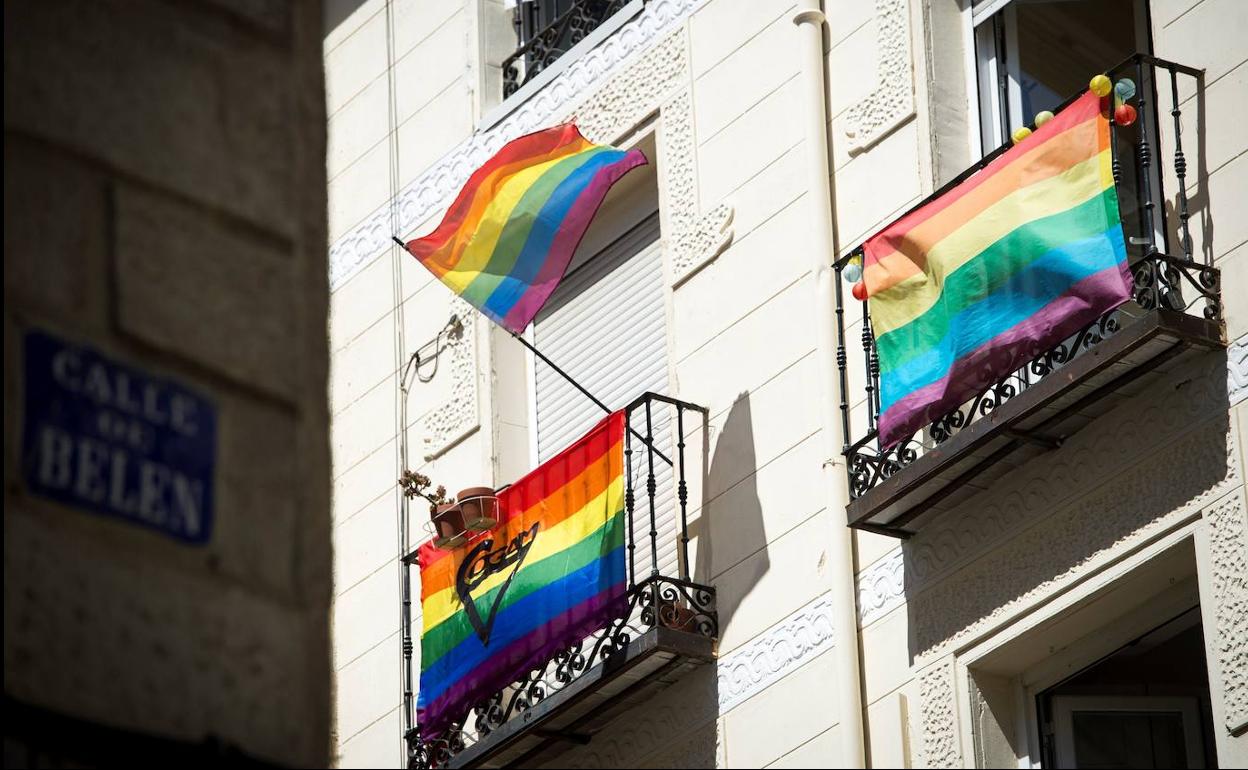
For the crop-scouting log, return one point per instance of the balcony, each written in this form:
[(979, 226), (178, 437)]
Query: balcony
[(548, 29), (1174, 315), (669, 628)]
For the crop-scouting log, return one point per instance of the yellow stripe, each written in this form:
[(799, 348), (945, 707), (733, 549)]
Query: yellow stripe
[(440, 606), (482, 240), (900, 304)]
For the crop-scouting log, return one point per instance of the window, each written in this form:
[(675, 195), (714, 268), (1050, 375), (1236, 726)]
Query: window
[(1033, 54)]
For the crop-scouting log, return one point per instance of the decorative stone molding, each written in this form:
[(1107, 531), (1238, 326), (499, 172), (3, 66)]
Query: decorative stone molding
[(941, 745), (1228, 546), (1126, 511), (783, 648), (1237, 370), (458, 416), (439, 183), (1101, 451), (881, 587), (697, 239), (891, 101), (685, 709), (1090, 457)]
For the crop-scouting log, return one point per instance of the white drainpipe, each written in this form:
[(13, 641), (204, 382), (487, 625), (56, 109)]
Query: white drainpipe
[(809, 19)]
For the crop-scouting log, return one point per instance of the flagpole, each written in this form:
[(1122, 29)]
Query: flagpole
[(597, 401), (582, 389)]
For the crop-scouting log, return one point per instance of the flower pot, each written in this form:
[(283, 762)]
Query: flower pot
[(448, 526), (676, 616), (480, 508)]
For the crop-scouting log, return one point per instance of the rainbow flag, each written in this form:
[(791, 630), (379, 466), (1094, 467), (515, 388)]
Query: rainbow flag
[(506, 241), (548, 575), (970, 286)]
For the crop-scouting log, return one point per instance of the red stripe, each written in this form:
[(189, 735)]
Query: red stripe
[(1082, 109), (518, 150)]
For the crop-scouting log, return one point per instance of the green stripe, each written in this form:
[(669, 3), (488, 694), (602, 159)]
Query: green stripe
[(990, 269), (443, 637), (520, 223)]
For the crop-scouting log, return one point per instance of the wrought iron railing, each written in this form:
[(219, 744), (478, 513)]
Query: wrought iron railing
[(655, 599), (547, 30), (1175, 280)]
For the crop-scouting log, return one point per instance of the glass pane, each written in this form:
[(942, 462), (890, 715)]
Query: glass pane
[(1128, 739), (1062, 44)]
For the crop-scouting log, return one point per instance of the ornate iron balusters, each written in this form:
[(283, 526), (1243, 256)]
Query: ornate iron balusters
[(682, 493), (539, 49), (1180, 167), (1145, 157)]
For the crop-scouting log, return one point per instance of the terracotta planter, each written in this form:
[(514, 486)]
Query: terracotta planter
[(448, 526), (480, 508), (676, 617)]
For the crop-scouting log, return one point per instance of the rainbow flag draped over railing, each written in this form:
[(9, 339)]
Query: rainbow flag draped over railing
[(506, 241), (548, 575), (970, 286)]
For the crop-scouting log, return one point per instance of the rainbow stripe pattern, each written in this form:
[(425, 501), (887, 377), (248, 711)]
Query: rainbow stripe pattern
[(506, 241), (967, 288), (567, 517)]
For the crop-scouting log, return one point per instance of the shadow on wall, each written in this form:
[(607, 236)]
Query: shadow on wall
[(1198, 195), (732, 542), (679, 727), (1156, 452)]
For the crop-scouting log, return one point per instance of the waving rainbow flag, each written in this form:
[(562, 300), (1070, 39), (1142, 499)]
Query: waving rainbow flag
[(1007, 264), (506, 241), (548, 575)]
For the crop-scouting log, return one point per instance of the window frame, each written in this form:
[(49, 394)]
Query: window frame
[(988, 25)]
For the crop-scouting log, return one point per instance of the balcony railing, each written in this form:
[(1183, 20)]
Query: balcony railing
[(547, 30), (670, 625), (1175, 312)]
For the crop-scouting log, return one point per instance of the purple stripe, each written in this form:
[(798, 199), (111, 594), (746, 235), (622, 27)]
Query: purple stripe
[(522, 655), (571, 230), (1080, 305)]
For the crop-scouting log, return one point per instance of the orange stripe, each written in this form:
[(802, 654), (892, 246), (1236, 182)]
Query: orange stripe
[(443, 258), (557, 505), (901, 251)]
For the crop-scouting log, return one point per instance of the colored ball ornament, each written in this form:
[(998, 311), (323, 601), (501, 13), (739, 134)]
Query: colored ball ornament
[(1100, 85), (1124, 89), (860, 291), (1020, 134), (1124, 115), (1042, 117), (852, 272)]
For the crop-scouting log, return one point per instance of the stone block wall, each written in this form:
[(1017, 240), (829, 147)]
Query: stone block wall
[(165, 206)]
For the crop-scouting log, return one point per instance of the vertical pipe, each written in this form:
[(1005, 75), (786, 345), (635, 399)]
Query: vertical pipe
[(809, 19), (682, 493), (650, 489)]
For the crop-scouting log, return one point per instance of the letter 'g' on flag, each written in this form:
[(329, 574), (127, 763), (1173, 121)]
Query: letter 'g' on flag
[(506, 241)]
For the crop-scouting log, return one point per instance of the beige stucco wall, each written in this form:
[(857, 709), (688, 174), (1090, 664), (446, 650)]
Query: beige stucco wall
[(715, 83), (164, 204)]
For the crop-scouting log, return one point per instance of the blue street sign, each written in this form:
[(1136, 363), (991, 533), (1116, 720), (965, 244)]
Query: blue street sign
[(105, 437)]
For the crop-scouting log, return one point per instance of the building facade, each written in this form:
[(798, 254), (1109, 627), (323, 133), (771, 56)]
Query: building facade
[(167, 563), (1038, 579)]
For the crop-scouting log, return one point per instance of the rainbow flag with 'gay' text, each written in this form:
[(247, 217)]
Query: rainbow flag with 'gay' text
[(547, 576)]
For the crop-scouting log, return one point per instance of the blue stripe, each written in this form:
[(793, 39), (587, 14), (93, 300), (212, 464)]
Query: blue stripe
[(545, 227), (522, 618), (1021, 296)]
